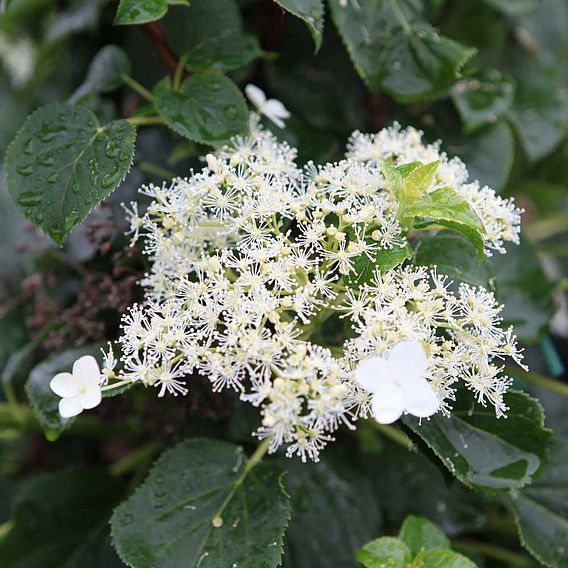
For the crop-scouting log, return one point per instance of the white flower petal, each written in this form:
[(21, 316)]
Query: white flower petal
[(420, 399), (275, 108), (370, 372), (407, 361), (69, 407), (255, 95), (387, 407), (91, 398), (64, 385), (87, 370)]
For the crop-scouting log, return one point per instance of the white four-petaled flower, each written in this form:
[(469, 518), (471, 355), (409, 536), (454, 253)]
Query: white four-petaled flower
[(398, 383), (79, 390), (273, 109)]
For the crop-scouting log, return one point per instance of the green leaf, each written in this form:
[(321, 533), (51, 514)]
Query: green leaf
[(524, 289), (309, 11), (417, 179), (104, 74), (443, 559), (62, 163), (385, 552), (447, 208), (541, 510), (454, 256), (209, 108), (12, 333), (132, 12), (210, 36), (481, 101), (513, 7), (485, 452), (322, 498), (396, 51), (60, 520), (43, 400), (200, 506), (421, 534), (488, 154)]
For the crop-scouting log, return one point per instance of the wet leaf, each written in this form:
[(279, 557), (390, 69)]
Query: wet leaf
[(484, 452), (209, 108), (200, 507), (396, 51), (131, 12), (63, 163)]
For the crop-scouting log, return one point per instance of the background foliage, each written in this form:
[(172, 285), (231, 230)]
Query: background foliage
[(98, 97)]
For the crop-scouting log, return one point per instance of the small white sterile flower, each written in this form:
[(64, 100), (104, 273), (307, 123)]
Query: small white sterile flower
[(398, 383), (79, 390), (273, 109)]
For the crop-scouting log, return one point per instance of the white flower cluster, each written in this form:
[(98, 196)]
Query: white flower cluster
[(255, 285)]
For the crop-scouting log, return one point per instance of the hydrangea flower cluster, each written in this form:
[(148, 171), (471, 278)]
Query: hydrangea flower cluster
[(255, 283)]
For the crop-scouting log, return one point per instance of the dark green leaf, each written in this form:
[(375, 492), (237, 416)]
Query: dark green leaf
[(385, 552), (443, 559), (139, 11), (12, 333), (483, 100), (169, 520), (488, 154), (322, 498), (420, 535), (311, 12), (541, 510), (396, 51), (454, 256), (62, 164), (43, 400), (210, 36), (513, 7), (60, 520), (209, 108), (484, 452), (524, 289), (105, 72)]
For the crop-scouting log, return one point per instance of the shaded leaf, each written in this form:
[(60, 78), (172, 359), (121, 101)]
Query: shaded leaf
[(210, 36), (105, 72), (541, 510), (485, 452), (524, 289), (396, 51), (309, 11), (454, 256), (322, 498), (513, 7), (385, 260), (60, 520), (483, 100), (200, 506), (209, 108), (62, 163)]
